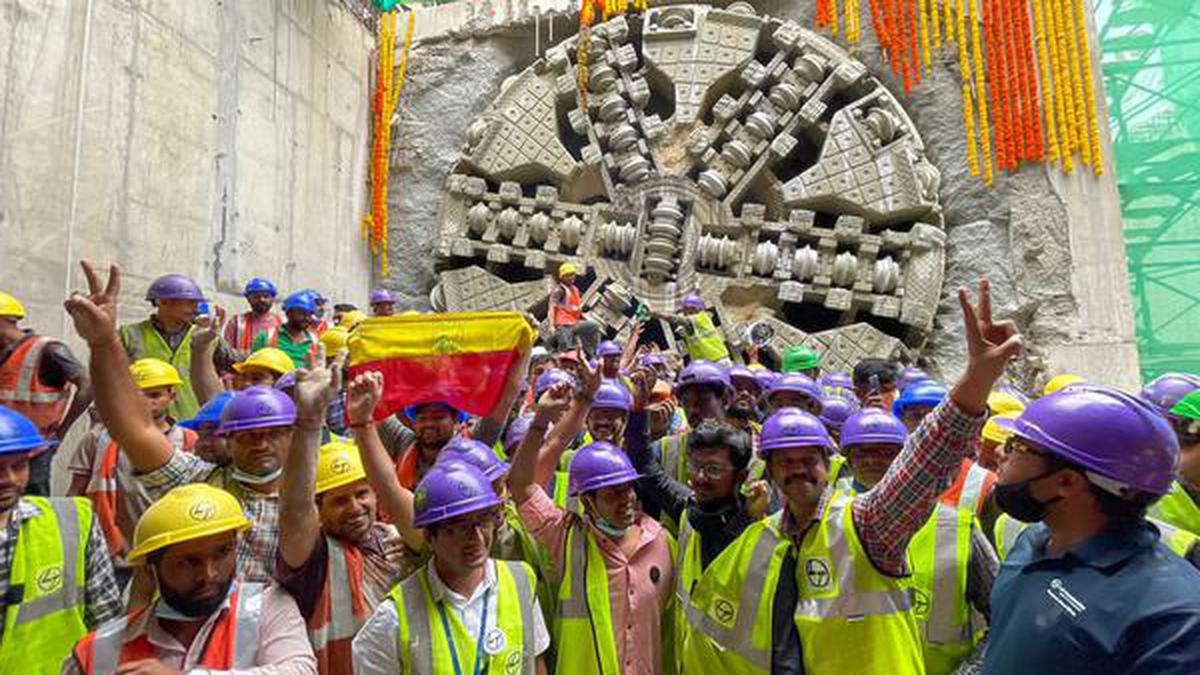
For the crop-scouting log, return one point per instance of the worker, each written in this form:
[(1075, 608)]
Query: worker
[(876, 383), (263, 367), (41, 379), (794, 390), (464, 611), (167, 335), (104, 474), (210, 446), (1090, 588), (352, 318), (704, 390), (909, 376), (569, 361), (1181, 505), (952, 561), (1164, 391), (837, 384), (340, 310), (663, 416), (204, 617), (568, 326), (701, 337), (801, 359), (613, 564), (609, 353), (321, 322), (295, 336), (335, 558), (1060, 382), (795, 587), (434, 425), (240, 333), (382, 303), (58, 577), (995, 434)]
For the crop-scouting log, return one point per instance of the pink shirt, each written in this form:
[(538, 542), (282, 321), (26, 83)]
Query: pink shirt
[(639, 588)]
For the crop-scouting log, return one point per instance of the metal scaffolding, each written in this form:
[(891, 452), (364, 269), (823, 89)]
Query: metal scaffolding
[(1150, 54)]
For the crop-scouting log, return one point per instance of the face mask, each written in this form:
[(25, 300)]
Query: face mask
[(607, 528), (254, 479), (1017, 500)]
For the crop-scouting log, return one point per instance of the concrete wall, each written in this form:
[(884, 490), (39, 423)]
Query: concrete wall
[(223, 140)]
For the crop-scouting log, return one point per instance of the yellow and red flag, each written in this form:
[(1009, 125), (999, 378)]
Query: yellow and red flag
[(459, 359)]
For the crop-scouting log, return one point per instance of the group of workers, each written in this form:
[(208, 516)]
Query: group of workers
[(236, 505)]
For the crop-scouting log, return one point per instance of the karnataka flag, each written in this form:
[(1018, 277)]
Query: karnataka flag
[(459, 359)]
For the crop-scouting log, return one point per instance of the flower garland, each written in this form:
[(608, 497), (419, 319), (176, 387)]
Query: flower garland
[(1062, 81), (1093, 125), (985, 143), (1032, 124), (1049, 97), (964, 64), (923, 9)]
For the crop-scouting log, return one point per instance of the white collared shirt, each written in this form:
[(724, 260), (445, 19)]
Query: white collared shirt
[(376, 647)]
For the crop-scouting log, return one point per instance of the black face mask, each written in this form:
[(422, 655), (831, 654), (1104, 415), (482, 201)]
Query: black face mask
[(1017, 500)]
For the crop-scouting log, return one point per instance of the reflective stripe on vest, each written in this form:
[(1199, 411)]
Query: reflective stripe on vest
[(49, 573), (1178, 508), (973, 490), (1180, 541), (231, 644), (21, 385), (142, 340), (1006, 531), (584, 613), (939, 555), (342, 609), (423, 646)]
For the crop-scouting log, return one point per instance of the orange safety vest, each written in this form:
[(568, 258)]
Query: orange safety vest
[(570, 311), (21, 387), (233, 642), (243, 333), (102, 486), (970, 488), (341, 610)]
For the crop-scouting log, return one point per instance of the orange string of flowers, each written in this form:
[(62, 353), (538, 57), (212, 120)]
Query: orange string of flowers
[(910, 10), (1029, 91)]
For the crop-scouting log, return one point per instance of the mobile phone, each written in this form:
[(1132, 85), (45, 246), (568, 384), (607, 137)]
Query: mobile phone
[(874, 384)]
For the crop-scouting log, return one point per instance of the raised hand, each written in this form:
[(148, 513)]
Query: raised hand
[(317, 385), (643, 385), (591, 376), (208, 328), (990, 344), (552, 403), (95, 313), (362, 396)]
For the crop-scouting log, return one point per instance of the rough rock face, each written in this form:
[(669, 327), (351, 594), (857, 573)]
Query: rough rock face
[(1017, 232)]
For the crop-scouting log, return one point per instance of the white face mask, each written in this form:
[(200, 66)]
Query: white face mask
[(608, 528), (255, 479)]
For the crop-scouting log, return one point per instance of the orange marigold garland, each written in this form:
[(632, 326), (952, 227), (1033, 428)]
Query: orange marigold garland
[(1029, 91), (910, 7), (1012, 84)]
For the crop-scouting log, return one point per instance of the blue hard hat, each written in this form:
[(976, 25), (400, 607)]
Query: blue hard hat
[(302, 300), (924, 392), (259, 285), (411, 411), (18, 434), (209, 413)]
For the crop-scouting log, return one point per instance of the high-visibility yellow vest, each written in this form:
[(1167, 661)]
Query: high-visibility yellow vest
[(939, 556), (424, 647), (704, 342), (143, 341), (1007, 529), (49, 572), (1179, 509), (850, 617)]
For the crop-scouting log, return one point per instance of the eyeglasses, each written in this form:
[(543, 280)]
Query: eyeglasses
[(466, 526), (1017, 446), (709, 471)]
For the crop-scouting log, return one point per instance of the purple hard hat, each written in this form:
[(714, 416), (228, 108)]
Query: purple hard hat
[(692, 301), (836, 410), (910, 375), (257, 407), (798, 383), (286, 381), (599, 465), (765, 378), (1164, 391), (792, 428), (837, 380), (612, 395), (381, 296), (608, 348), (872, 425), (474, 452), (745, 374), (516, 432), (654, 359), (551, 377), (1119, 436), (174, 287), (452, 488), (705, 373)]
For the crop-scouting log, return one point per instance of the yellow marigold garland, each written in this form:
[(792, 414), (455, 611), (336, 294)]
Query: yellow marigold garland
[(964, 64), (1048, 95), (1093, 126), (985, 143)]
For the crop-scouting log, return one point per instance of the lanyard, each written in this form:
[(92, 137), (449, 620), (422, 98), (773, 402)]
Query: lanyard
[(478, 641)]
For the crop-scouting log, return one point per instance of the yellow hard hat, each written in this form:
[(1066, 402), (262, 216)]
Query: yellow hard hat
[(567, 268), (335, 339), (1060, 382), (1003, 402), (999, 427), (10, 306), (338, 464), (269, 358), (352, 318), (150, 373), (187, 512)]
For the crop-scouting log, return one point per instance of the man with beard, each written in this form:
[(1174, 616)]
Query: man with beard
[(334, 557), (240, 333), (382, 303), (204, 618), (818, 587), (876, 382), (257, 421), (743, 412), (463, 612), (433, 424), (45, 603), (295, 336), (704, 390)]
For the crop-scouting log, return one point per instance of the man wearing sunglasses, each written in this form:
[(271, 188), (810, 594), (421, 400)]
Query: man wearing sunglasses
[(1090, 587)]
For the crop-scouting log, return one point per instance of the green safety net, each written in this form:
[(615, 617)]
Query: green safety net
[(1150, 54)]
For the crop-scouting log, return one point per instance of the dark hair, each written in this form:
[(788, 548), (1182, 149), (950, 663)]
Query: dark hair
[(886, 370), (344, 307), (1128, 509), (710, 434)]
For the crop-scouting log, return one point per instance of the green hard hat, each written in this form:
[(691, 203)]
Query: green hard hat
[(1188, 407), (800, 358)]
